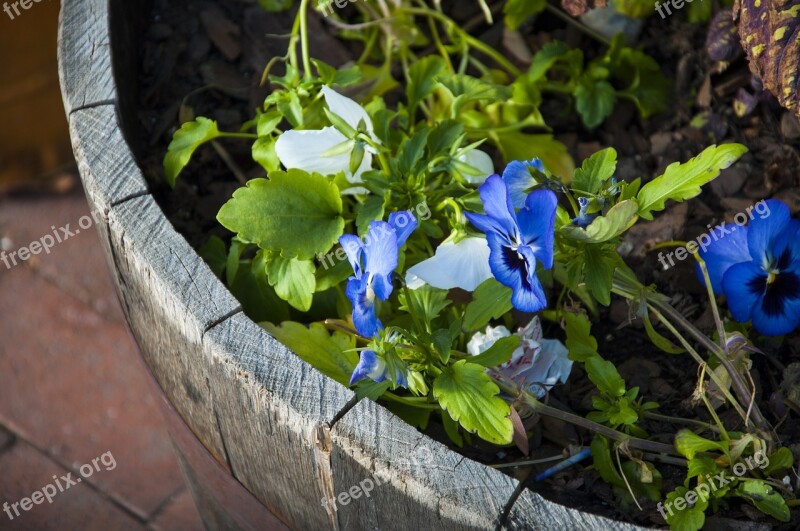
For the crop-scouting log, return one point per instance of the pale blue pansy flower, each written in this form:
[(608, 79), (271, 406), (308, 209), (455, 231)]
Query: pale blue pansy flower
[(463, 264)]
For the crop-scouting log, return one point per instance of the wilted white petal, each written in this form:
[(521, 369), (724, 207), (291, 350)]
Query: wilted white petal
[(480, 161), (481, 342), (304, 150), (346, 109), (455, 265)]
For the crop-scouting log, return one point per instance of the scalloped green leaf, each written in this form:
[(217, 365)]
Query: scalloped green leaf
[(469, 395), (295, 213)]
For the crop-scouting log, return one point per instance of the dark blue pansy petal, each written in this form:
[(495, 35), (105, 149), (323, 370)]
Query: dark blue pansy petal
[(507, 266), (537, 222), (353, 248), (403, 223), (364, 317), (497, 205), (762, 232), (720, 255), (380, 249), (369, 366), (519, 180), (517, 270), (785, 249), (530, 296), (743, 285)]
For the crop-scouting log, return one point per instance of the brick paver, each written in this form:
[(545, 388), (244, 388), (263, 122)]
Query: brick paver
[(73, 386)]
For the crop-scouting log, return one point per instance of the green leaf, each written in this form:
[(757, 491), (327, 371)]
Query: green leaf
[(468, 88), (604, 375), (215, 253), (524, 146), (314, 345), (370, 210), (452, 430), (600, 264), (333, 271), (680, 516), (292, 278), (412, 151), (780, 460), (594, 101), (581, 344), (372, 390), (683, 181), (498, 353), (689, 444), (595, 171), (293, 212), (264, 153), (422, 79), (518, 11), (617, 220), (658, 340), (469, 395), (490, 300), (267, 123), (442, 342), (546, 58), (603, 462), (428, 302), (443, 137), (184, 143), (765, 498)]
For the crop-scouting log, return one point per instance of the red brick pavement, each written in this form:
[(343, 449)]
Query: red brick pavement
[(73, 387)]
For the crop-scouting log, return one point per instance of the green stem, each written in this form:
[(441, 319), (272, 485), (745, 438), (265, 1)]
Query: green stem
[(304, 38), (543, 409), (469, 39)]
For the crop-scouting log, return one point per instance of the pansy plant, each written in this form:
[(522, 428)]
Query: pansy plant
[(417, 311)]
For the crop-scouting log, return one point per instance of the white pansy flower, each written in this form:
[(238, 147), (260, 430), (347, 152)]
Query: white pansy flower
[(479, 160), (537, 364), (314, 150), (454, 265)]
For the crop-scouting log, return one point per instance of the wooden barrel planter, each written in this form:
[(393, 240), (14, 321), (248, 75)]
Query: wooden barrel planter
[(289, 435)]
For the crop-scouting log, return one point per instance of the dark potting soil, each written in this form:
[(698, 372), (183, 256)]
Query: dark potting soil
[(206, 58)]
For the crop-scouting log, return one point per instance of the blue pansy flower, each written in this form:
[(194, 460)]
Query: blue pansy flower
[(757, 267), (519, 180), (373, 261), (370, 365), (516, 241)]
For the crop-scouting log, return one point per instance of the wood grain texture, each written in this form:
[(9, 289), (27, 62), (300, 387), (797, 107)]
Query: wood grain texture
[(531, 511), (84, 54), (109, 173), (424, 485), (170, 298), (274, 411)]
